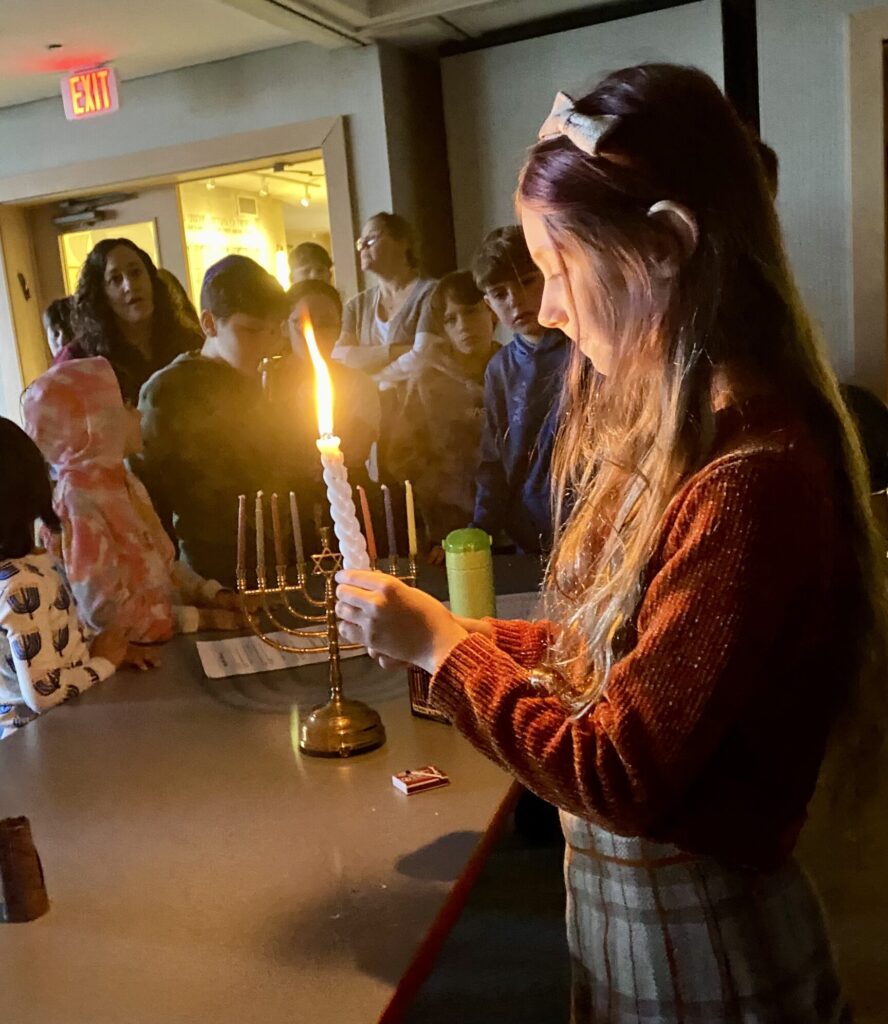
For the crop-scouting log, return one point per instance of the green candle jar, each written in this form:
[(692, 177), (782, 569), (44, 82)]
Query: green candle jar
[(470, 573)]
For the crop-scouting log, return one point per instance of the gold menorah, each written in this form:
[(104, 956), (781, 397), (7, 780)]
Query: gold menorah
[(342, 726)]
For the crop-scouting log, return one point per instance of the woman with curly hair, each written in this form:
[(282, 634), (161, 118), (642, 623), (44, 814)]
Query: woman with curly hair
[(123, 311)]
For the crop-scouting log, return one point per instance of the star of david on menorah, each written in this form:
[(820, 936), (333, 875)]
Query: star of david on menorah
[(291, 605)]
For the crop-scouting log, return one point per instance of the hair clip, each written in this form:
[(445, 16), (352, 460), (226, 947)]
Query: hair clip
[(585, 131)]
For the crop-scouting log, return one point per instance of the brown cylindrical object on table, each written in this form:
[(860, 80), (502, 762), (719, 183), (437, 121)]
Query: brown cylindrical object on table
[(22, 888), (418, 689)]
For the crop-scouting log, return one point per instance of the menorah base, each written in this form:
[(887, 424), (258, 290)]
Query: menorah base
[(340, 729)]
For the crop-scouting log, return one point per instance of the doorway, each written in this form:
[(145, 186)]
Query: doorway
[(184, 223), (273, 188), (187, 225), (263, 214)]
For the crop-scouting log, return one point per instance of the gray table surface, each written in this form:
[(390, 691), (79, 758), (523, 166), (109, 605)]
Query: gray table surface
[(201, 869)]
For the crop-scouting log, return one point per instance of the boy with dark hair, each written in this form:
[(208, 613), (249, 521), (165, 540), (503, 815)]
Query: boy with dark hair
[(436, 437), (208, 433), (310, 262), (521, 390), (57, 324)]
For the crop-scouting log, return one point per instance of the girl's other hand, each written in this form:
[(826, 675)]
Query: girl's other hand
[(395, 621)]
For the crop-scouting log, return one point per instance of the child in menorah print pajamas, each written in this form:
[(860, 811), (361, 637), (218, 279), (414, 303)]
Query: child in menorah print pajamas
[(45, 654)]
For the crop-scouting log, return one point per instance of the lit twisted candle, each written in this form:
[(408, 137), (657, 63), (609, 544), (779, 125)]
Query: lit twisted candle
[(339, 493)]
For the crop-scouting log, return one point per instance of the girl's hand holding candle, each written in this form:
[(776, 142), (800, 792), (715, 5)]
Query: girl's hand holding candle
[(395, 621)]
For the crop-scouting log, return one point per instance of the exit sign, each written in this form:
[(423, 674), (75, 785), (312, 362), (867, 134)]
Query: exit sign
[(89, 93)]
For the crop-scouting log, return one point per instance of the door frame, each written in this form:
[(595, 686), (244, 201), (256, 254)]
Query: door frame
[(866, 33)]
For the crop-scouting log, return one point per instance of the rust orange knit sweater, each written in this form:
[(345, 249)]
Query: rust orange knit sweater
[(713, 726)]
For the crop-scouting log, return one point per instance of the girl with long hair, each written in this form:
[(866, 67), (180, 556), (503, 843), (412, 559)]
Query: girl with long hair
[(124, 312), (715, 592)]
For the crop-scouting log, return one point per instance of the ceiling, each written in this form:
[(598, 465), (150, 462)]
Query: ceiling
[(141, 38), (146, 37)]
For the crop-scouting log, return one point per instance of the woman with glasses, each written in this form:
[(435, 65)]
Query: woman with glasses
[(385, 327)]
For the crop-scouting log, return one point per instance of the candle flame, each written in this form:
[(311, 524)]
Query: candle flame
[(323, 383)]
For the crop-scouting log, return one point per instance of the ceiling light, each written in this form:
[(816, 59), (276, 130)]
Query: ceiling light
[(211, 184), (306, 199), (263, 188)]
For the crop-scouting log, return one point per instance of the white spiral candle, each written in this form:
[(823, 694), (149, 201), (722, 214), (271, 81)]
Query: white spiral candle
[(352, 545), (342, 507)]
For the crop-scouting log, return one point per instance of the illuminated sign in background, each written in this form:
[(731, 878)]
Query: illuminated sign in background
[(89, 93)]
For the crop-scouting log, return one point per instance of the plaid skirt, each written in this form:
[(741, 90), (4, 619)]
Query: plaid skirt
[(658, 936)]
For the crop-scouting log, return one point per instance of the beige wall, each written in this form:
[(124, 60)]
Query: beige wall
[(821, 103), (417, 146), (496, 99), (10, 361)]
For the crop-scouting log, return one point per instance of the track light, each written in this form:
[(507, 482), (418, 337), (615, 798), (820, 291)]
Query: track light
[(211, 184), (306, 199)]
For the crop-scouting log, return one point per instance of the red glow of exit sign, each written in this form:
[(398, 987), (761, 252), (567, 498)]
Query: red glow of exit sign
[(89, 93)]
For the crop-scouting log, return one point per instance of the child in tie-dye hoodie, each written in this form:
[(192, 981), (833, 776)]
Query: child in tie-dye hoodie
[(118, 558), (46, 656)]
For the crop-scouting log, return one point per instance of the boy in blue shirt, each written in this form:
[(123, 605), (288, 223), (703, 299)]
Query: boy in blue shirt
[(522, 386)]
